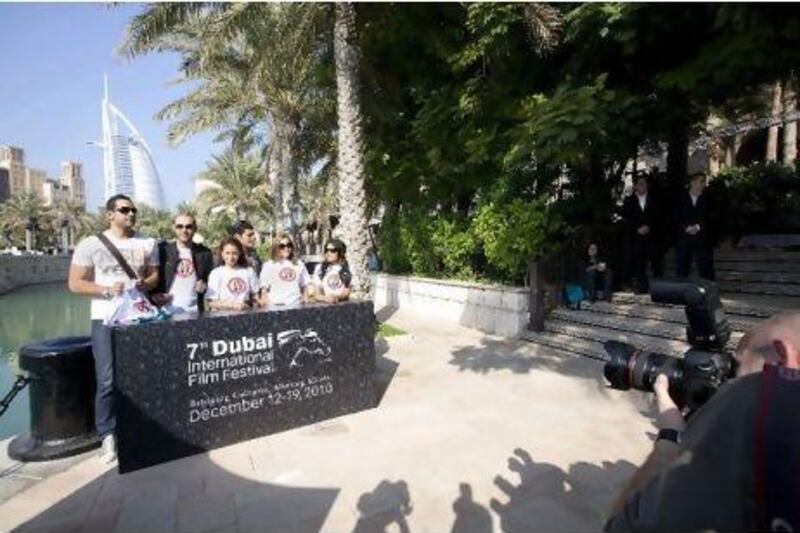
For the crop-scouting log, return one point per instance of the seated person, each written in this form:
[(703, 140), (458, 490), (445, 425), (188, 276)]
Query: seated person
[(597, 275), (331, 279)]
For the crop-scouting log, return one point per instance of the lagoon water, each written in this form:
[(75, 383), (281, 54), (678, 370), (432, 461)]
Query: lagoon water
[(27, 315)]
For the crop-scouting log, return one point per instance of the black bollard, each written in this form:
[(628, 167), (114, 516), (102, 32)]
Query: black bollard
[(61, 400)]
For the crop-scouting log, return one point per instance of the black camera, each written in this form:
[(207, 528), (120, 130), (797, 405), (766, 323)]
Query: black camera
[(695, 377)]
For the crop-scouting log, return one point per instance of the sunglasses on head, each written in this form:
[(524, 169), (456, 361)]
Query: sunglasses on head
[(190, 227), (285, 245)]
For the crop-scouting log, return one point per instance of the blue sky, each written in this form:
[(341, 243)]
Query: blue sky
[(52, 61)]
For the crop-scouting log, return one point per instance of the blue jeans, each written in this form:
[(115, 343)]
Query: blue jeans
[(104, 413)]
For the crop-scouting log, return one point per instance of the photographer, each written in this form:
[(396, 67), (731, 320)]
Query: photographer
[(734, 464)]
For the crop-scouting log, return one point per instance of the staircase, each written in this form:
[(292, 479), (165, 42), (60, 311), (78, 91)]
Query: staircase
[(755, 285)]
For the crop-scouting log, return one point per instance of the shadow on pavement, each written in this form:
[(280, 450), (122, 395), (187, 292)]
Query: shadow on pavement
[(520, 357), (546, 498), (471, 517), (389, 503)]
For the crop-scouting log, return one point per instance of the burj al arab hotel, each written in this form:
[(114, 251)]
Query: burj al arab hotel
[(128, 166)]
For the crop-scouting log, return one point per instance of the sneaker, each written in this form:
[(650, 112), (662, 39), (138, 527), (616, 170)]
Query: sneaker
[(108, 450)]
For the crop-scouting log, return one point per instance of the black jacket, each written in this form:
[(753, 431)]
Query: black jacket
[(635, 218), (168, 258), (687, 214)]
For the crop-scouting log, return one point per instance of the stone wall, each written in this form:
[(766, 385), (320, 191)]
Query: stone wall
[(17, 271), (495, 309)]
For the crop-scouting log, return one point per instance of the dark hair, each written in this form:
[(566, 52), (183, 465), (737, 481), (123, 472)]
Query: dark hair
[(697, 175), (242, 262), (111, 203), (344, 274), (240, 227)]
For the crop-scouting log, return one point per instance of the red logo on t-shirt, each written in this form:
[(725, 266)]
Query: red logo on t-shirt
[(237, 285), (334, 281), (287, 274), (185, 268)]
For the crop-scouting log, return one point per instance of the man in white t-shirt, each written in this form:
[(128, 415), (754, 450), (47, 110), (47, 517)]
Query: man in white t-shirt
[(96, 272)]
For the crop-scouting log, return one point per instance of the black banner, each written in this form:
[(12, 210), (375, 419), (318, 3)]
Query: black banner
[(189, 386)]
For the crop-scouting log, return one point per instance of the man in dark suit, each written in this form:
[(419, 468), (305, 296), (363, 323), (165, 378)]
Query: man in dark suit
[(695, 232), (643, 230), (184, 267)]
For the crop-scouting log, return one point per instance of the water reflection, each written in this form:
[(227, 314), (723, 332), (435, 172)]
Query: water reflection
[(30, 314)]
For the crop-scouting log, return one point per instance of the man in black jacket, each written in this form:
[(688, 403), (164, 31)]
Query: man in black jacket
[(695, 232), (184, 267), (643, 226)]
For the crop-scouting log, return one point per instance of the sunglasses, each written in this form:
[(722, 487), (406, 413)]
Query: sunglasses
[(332, 250), (126, 210), (189, 227), (285, 245)]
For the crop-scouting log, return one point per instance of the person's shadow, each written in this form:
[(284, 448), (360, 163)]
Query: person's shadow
[(388, 504), (470, 516), (549, 499)]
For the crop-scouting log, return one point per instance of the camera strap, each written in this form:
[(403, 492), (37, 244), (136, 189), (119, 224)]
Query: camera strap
[(777, 450)]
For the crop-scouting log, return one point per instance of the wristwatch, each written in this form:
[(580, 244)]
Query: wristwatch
[(672, 435)]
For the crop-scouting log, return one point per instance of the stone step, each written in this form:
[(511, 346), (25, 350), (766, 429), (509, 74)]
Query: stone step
[(672, 347), (788, 278), (753, 266), (641, 326), (733, 306), (745, 255), (663, 313), (777, 289)]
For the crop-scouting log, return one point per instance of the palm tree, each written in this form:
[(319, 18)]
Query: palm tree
[(24, 213), (253, 67), (72, 218), (353, 218), (236, 186)]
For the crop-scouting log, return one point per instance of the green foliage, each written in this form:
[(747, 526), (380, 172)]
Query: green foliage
[(512, 233), (762, 197)]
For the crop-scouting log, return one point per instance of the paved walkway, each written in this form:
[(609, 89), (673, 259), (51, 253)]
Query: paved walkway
[(473, 434)]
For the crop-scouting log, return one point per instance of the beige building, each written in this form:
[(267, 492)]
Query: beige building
[(21, 178), (13, 160)]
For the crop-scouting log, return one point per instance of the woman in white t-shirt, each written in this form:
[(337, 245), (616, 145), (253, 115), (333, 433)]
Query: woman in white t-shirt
[(233, 285), (331, 278), (284, 278)]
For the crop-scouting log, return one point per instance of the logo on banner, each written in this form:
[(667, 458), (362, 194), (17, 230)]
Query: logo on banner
[(303, 347), (287, 274), (237, 285)]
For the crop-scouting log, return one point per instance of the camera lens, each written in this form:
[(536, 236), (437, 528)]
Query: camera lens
[(628, 368)]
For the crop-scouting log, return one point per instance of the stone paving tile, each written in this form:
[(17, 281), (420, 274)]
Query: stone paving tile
[(147, 512), (206, 513)]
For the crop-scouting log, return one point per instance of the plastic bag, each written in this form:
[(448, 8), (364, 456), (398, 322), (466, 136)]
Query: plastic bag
[(133, 307)]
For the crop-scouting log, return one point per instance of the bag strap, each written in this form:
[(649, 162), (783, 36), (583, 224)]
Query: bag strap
[(777, 457), (118, 256)]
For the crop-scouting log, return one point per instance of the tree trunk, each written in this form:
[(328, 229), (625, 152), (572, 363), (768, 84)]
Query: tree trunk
[(772, 135), (274, 181), (350, 161), (790, 127), (677, 159)]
